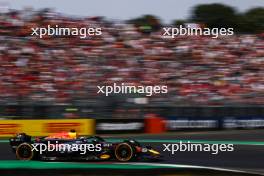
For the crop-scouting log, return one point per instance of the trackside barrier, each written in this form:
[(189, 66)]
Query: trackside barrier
[(119, 126), (243, 123), (46, 127), (186, 124), (151, 124), (192, 123), (154, 124)]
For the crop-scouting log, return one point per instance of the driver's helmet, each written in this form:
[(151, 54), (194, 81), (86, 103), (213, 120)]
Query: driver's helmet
[(72, 134)]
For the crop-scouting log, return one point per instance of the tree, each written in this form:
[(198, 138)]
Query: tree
[(242, 24), (147, 22), (214, 15), (255, 19)]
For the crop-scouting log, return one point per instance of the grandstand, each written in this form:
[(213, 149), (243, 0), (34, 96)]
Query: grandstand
[(65, 70)]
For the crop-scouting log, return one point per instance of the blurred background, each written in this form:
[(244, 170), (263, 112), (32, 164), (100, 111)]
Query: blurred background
[(213, 84), (57, 76)]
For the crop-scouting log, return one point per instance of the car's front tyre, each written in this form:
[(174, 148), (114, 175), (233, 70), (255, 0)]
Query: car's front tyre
[(124, 152), (24, 152)]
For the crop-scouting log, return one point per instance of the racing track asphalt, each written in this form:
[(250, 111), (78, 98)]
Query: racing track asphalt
[(248, 154)]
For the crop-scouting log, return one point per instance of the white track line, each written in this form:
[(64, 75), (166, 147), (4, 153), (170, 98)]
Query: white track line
[(189, 166)]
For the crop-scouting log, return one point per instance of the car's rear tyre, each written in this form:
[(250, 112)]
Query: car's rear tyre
[(124, 152), (24, 152)]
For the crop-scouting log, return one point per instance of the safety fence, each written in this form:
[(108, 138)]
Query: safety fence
[(151, 124), (115, 110)]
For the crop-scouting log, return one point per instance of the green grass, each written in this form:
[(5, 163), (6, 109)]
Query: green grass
[(15, 164)]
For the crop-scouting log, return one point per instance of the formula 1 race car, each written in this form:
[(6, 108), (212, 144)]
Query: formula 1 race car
[(79, 148)]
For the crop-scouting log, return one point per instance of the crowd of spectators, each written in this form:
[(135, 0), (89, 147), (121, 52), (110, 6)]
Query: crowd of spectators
[(66, 69)]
